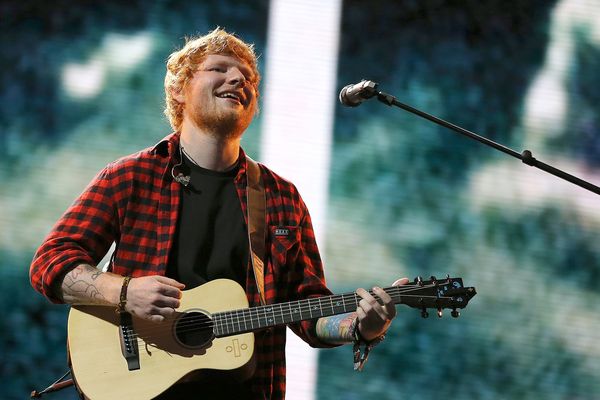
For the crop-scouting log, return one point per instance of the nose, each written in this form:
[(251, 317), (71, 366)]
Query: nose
[(236, 78)]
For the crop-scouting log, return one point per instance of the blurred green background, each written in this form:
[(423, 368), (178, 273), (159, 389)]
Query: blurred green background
[(406, 197)]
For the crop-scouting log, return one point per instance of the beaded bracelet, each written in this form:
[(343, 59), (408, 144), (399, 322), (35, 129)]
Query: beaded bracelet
[(361, 357), (123, 297)]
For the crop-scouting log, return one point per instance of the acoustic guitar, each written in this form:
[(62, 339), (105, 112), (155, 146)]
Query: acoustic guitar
[(123, 357)]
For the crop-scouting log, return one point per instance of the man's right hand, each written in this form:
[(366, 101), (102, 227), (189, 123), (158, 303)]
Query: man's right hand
[(153, 297)]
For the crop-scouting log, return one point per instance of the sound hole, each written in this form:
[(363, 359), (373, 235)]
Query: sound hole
[(194, 329)]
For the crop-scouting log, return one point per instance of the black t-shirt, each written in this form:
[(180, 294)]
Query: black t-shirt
[(211, 242), (211, 239)]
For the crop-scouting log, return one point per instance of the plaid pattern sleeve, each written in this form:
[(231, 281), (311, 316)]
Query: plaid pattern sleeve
[(130, 203), (81, 236)]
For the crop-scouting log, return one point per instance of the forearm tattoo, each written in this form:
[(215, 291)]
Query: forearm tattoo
[(336, 329), (80, 286)]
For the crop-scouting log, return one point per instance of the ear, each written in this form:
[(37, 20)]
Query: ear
[(178, 95)]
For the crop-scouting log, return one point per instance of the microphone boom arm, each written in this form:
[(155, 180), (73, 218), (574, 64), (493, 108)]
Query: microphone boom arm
[(526, 156)]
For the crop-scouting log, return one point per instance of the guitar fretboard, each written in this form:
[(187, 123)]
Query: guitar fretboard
[(251, 319)]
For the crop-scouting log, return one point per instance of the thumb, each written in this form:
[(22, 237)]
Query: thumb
[(400, 282)]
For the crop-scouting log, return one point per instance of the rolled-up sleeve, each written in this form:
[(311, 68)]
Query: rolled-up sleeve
[(82, 235)]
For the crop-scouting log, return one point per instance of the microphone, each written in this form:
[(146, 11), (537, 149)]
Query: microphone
[(180, 178), (353, 95)]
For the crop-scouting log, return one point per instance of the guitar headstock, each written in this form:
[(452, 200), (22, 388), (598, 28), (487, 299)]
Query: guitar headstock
[(448, 293)]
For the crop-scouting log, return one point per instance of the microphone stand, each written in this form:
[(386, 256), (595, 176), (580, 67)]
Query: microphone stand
[(526, 156)]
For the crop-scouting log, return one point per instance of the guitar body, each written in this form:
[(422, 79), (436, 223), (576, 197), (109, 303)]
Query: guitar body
[(164, 356)]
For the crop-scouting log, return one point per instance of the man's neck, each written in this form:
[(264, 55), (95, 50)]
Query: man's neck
[(209, 150)]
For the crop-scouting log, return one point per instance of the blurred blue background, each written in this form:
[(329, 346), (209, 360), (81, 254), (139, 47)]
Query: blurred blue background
[(81, 85)]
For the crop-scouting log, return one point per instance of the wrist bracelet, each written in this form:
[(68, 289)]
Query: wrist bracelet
[(361, 357), (123, 296)]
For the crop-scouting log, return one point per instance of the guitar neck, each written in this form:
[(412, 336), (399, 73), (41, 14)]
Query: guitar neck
[(448, 293), (256, 318)]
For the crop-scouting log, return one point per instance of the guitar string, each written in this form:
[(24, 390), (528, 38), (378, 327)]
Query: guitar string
[(227, 319), (304, 306), (204, 322), (204, 326)]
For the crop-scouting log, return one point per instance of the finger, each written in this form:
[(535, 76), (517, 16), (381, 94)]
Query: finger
[(400, 282), (169, 281), (169, 291), (362, 293), (167, 302), (365, 306), (370, 305), (156, 318), (388, 305), (365, 295), (373, 312), (167, 312), (382, 294), (360, 313)]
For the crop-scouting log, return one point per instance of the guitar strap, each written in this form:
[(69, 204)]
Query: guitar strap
[(257, 217)]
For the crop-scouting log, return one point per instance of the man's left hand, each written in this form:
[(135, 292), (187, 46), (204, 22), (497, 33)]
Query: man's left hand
[(374, 318)]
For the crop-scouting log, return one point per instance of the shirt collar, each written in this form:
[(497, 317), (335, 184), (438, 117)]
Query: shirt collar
[(169, 147)]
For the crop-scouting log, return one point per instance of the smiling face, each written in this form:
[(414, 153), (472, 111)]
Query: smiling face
[(221, 96), (184, 65)]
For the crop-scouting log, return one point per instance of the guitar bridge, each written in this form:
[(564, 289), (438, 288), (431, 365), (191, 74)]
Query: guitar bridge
[(128, 340)]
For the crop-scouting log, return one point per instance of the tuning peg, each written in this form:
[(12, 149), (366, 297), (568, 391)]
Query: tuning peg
[(419, 280), (433, 279), (455, 313), (424, 313), (440, 313)]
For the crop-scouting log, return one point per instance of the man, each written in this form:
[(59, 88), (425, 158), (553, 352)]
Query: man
[(177, 213)]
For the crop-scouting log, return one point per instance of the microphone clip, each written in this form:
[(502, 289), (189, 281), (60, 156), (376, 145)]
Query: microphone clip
[(182, 179)]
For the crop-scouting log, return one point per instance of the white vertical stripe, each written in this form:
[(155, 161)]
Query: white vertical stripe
[(297, 126)]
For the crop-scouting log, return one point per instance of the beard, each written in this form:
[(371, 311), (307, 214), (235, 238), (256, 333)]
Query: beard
[(221, 123)]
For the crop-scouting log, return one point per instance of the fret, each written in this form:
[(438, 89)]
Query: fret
[(339, 306), (230, 330), (353, 300), (224, 323), (331, 306), (295, 311), (317, 308), (255, 320), (215, 318), (264, 317), (281, 314), (243, 312), (271, 319), (251, 319), (290, 316), (236, 318), (221, 324), (219, 319)]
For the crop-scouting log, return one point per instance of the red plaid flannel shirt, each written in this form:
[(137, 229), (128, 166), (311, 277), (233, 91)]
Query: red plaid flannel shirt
[(134, 202)]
